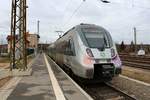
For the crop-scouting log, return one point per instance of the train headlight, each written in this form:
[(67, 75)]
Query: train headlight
[(87, 60), (89, 52)]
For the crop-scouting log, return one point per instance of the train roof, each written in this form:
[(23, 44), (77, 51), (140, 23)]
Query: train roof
[(83, 25)]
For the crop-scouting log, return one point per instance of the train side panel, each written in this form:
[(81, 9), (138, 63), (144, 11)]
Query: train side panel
[(75, 50)]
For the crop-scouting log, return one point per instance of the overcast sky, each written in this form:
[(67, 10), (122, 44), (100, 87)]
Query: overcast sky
[(118, 17)]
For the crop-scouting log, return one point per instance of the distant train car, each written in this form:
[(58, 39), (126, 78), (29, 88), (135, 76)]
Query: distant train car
[(88, 51)]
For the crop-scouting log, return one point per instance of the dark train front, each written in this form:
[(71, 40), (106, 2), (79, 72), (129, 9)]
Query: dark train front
[(88, 51)]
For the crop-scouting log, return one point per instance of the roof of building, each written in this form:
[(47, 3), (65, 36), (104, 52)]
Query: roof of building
[(3, 46), (9, 37)]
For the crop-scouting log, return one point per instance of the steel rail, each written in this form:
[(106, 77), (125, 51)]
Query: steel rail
[(124, 93)]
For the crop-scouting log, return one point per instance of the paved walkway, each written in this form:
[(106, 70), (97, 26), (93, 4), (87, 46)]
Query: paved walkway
[(47, 82), (35, 87)]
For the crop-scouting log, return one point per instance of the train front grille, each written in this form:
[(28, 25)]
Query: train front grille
[(103, 70)]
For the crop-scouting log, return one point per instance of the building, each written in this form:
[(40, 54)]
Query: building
[(130, 48), (3, 48), (31, 42), (43, 46)]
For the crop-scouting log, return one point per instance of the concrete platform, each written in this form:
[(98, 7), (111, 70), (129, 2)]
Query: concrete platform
[(70, 89), (137, 89), (47, 82), (35, 87)]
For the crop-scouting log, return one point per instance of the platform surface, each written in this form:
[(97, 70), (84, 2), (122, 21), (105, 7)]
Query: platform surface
[(35, 87), (40, 85)]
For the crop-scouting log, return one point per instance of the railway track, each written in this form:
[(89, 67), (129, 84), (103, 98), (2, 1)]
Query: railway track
[(137, 58), (137, 65), (102, 91), (136, 61), (106, 91), (132, 55)]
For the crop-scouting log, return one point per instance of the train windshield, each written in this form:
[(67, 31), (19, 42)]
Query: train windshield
[(97, 38)]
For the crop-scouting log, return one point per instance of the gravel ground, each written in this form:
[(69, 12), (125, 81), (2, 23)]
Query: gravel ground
[(137, 73), (3, 65), (4, 62), (139, 90), (4, 80)]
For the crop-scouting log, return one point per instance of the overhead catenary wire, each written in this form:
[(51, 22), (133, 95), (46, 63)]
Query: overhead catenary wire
[(65, 8), (74, 12), (135, 15), (70, 18), (132, 4)]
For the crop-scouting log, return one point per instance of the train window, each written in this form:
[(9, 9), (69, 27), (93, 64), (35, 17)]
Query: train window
[(96, 38), (59, 47), (67, 49), (70, 50), (72, 47), (62, 46)]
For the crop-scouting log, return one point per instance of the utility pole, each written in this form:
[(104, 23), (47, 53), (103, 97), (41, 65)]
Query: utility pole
[(1, 44), (38, 27), (135, 39), (18, 54), (2, 49)]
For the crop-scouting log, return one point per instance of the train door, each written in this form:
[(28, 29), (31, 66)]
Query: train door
[(70, 52)]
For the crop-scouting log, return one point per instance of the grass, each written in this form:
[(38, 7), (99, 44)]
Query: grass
[(7, 60), (4, 59), (138, 75)]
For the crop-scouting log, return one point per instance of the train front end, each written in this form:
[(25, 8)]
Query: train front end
[(100, 57)]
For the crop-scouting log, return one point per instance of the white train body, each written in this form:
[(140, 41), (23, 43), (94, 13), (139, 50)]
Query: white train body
[(88, 50)]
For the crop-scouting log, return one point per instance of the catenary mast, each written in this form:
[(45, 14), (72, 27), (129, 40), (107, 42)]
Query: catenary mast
[(18, 54)]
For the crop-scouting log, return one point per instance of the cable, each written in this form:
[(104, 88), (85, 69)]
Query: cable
[(65, 11), (73, 13), (133, 5), (129, 16)]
